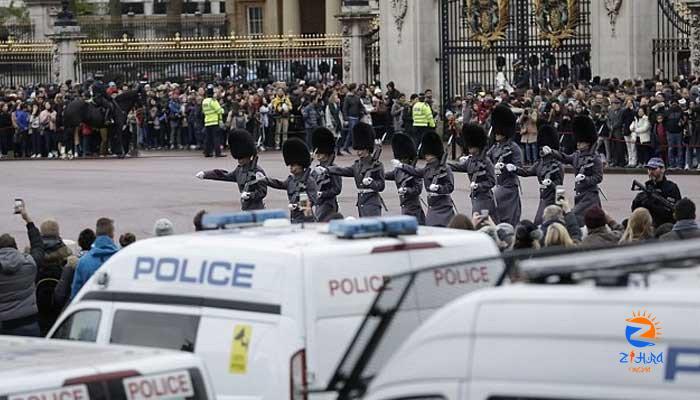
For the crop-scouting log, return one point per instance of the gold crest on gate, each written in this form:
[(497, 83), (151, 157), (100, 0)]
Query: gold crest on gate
[(487, 20), (557, 19)]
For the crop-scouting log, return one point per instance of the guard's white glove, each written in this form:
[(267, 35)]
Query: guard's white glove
[(434, 188), (402, 191), (546, 150), (499, 165), (464, 159), (367, 181), (259, 176), (200, 175), (396, 163), (292, 207), (319, 194), (511, 167), (378, 141), (547, 182), (320, 170), (580, 177), (245, 195), (474, 185)]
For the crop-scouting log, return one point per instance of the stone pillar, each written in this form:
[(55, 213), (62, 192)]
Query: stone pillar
[(148, 7), (409, 42), (66, 41), (270, 25), (215, 8), (354, 28), (42, 13), (291, 20), (694, 6), (332, 12)]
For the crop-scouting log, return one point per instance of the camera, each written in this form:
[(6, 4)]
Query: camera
[(19, 206)]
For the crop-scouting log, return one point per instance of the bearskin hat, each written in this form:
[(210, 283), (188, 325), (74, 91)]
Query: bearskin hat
[(242, 144), (294, 151), (500, 63), (323, 141), (533, 60), (474, 136), (403, 147), (362, 136), (431, 144), (547, 136), (503, 121), (584, 130)]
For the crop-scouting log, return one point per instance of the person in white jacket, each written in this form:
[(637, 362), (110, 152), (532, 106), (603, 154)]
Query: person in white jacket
[(639, 129)]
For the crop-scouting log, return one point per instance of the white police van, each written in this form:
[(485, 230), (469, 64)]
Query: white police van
[(268, 308), (40, 369), (618, 339)]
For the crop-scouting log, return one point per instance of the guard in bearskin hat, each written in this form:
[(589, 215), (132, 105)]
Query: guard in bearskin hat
[(506, 157), (329, 186), (479, 169), (587, 165), (409, 186), (300, 185), (367, 170), (548, 170), (242, 149), (437, 178)]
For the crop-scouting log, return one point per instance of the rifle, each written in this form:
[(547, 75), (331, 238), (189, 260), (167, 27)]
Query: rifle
[(665, 203), (442, 171), (251, 179)]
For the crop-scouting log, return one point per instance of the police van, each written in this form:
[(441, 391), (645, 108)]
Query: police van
[(626, 330), (268, 306), (40, 369)]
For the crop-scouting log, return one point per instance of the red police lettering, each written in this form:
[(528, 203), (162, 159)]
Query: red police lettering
[(161, 386), (349, 286), (63, 394), (460, 276)]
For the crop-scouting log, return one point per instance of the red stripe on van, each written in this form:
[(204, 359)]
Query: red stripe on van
[(101, 377), (405, 247)]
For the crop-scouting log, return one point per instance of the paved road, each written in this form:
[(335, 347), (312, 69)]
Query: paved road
[(137, 192)]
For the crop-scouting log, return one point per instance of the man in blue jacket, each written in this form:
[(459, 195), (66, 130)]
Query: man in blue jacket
[(102, 249)]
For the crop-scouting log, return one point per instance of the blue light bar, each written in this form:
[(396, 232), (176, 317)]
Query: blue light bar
[(222, 220), (372, 227)]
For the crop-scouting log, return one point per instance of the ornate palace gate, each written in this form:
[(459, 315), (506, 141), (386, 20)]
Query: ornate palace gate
[(671, 48), (543, 34)]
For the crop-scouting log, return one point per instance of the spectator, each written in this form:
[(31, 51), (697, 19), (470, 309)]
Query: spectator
[(685, 226), (85, 240), (126, 239), (461, 221), (61, 293), (18, 309), (506, 236), (281, 108), (49, 270), (602, 229), (313, 117), (527, 236), (639, 227), (557, 235), (102, 249), (352, 112), (556, 214), (163, 227), (423, 120), (662, 230), (641, 128)]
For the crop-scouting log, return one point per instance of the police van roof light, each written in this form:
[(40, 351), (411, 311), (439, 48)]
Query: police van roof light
[(222, 220), (371, 227)]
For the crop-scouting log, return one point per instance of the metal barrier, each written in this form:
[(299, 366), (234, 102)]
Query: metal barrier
[(238, 58), (23, 63)]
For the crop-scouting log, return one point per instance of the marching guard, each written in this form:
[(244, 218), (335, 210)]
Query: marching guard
[(479, 168), (367, 171), (328, 186), (506, 157), (409, 186), (300, 185), (587, 165), (548, 170), (244, 150)]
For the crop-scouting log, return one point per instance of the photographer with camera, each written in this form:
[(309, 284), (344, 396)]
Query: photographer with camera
[(658, 193)]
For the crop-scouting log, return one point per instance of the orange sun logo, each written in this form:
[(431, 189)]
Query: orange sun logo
[(642, 329)]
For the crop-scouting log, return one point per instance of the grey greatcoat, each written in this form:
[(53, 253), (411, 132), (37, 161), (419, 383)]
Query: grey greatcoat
[(480, 171), (587, 195), (244, 176), (410, 200), (547, 167), (329, 187), (369, 202), (440, 204), (507, 183), (295, 185)]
